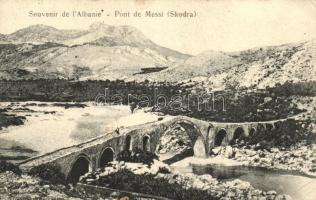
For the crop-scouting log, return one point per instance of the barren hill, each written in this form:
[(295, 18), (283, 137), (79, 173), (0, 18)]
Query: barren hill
[(120, 52), (253, 68), (101, 52)]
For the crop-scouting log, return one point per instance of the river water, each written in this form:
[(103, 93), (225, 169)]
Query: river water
[(60, 127), (297, 186)]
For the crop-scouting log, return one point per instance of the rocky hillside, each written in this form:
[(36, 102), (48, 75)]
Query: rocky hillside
[(101, 52), (254, 68), (120, 52)]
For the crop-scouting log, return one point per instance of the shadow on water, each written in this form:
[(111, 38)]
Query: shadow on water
[(179, 156), (299, 187)]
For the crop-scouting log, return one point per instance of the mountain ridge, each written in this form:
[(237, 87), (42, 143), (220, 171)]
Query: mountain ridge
[(120, 52), (106, 51), (124, 34), (254, 68)]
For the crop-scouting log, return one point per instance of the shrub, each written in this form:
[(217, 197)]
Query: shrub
[(284, 135), (7, 166), (49, 173), (125, 156), (10, 119), (148, 184), (145, 157), (137, 156), (164, 170)]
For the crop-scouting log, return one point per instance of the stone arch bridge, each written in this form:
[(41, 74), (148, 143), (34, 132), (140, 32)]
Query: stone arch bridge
[(76, 160)]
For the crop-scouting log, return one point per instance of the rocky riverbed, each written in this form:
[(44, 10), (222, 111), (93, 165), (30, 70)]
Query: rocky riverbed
[(299, 158), (25, 187), (216, 189)]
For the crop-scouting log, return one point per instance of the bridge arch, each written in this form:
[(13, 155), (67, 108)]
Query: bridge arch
[(79, 167), (106, 157), (146, 143), (219, 137), (269, 127), (252, 131), (238, 134), (67, 157), (191, 129), (193, 133), (193, 137)]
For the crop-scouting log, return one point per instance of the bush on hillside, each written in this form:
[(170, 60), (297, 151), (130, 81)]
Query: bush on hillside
[(7, 166), (137, 156), (148, 184), (48, 172), (284, 134), (125, 155)]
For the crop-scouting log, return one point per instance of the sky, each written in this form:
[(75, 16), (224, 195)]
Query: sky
[(226, 25)]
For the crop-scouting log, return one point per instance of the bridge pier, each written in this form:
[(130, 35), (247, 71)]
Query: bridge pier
[(94, 162)]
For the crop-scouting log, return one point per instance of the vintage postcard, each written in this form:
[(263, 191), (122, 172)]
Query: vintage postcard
[(157, 99)]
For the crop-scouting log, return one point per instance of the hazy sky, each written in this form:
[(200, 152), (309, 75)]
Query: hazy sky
[(225, 25)]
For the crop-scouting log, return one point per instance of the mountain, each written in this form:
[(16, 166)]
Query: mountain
[(97, 34), (266, 67), (42, 33), (100, 52), (204, 64), (253, 68), (120, 52)]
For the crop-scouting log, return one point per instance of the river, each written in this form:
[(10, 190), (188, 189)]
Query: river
[(299, 187), (44, 132)]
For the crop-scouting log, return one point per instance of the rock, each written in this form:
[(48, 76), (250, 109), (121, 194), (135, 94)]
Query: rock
[(250, 152), (115, 162), (256, 158), (279, 197), (228, 152), (244, 185), (272, 192), (261, 154), (277, 156), (230, 194), (121, 163), (217, 150), (239, 156), (275, 150), (90, 180), (46, 186), (114, 195)]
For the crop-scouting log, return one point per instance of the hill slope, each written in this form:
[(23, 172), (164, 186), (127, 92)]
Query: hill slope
[(254, 68), (119, 52), (51, 60), (101, 52)]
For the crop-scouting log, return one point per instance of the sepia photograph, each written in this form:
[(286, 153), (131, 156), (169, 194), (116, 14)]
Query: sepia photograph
[(158, 100)]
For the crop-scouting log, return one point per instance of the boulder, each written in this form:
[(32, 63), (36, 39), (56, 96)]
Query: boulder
[(217, 150), (228, 152)]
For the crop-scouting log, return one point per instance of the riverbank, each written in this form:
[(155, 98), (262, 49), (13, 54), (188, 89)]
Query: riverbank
[(49, 126), (297, 159), (13, 186), (160, 179)]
